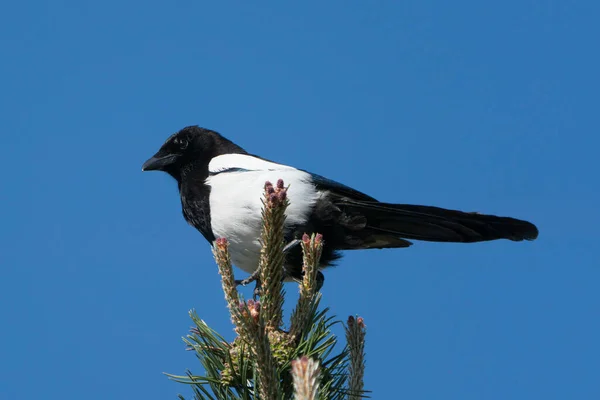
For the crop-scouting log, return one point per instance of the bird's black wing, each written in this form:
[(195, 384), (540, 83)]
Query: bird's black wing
[(363, 222), (338, 189), (345, 227)]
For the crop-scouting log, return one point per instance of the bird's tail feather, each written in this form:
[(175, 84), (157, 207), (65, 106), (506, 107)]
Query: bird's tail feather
[(438, 224)]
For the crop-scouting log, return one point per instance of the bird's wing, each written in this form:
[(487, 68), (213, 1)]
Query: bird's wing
[(242, 162), (237, 188), (344, 226), (247, 162), (337, 189), (378, 225)]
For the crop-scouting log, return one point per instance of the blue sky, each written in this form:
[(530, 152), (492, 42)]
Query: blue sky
[(466, 104)]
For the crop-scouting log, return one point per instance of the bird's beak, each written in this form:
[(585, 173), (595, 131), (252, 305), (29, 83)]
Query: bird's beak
[(158, 163)]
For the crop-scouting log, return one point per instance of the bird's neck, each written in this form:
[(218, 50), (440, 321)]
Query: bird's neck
[(192, 179), (195, 199)]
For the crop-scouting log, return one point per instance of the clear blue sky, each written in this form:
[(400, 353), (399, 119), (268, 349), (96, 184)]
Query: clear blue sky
[(464, 104)]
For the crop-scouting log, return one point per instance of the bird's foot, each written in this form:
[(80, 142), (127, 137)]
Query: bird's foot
[(255, 277), (291, 245), (256, 274), (257, 290)]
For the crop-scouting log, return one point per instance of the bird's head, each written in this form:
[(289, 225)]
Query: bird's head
[(188, 149)]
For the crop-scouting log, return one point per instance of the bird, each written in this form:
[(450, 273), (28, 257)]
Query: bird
[(221, 186)]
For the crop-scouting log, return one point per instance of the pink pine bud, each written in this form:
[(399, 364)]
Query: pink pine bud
[(221, 243), (273, 199), (254, 308), (361, 322), (306, 239), (300, 362), (282, 195), (243, 309), (318, 238)]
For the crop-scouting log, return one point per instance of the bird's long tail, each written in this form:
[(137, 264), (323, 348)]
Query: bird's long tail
[(435, 224)]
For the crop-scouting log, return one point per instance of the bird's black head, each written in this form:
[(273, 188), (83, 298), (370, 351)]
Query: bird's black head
[(190, 148)]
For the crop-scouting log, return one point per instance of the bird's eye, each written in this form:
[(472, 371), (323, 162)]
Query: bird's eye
[(181, 143)]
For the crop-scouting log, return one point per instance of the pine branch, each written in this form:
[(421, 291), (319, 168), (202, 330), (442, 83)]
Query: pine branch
[(312, 247), (355, 337), (249, 325), (306, 374), (275, 203), (264, 361)]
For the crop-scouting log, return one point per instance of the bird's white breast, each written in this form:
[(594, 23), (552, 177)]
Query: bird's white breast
[(237, 188)]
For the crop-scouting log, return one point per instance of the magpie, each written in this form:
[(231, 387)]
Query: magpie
[(221, 186)]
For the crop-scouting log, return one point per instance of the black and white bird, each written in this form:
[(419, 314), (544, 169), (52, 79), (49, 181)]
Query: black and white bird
[(221, 186)]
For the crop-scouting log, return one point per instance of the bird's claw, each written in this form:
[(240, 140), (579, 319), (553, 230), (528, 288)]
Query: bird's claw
[(252, 278), (291, 245), (256, 274)]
